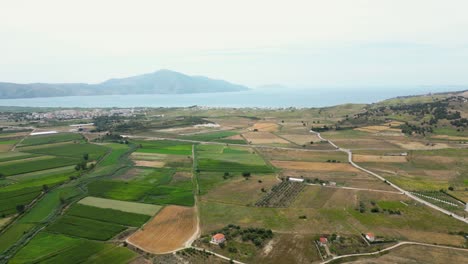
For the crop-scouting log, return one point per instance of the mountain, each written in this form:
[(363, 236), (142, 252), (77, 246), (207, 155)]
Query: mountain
[(159, 82)]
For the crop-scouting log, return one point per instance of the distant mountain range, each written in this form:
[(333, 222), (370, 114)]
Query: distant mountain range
[(159, 82)]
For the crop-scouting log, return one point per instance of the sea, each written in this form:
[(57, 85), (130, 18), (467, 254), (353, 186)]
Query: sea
[(262, 98)]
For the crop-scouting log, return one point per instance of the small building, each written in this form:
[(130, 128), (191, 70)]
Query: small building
[(370, 237), (291, 179), (218, 239), (323, 241)]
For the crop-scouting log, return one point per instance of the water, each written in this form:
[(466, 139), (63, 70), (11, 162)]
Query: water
[(252, 98)]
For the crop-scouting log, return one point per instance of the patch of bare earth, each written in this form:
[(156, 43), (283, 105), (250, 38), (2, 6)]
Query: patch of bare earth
[(151, 164), (313, 166), (263, 138), (167, 231), (376, 158)]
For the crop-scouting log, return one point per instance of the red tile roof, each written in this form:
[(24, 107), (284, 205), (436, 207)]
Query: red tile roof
[(323, 240), (218, 236)]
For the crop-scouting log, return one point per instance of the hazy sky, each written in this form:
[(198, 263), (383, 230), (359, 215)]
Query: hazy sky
[(252, 42)]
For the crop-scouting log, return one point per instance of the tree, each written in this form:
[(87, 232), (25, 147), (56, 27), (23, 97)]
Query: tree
[(45, 188), (2, 176), (20, 208), (86, 156)]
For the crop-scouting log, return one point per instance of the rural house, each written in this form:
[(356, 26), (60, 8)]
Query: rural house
[(323, 241), (218, 239), (370, 237)]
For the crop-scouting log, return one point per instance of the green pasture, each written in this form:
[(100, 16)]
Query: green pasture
[(52, 138)]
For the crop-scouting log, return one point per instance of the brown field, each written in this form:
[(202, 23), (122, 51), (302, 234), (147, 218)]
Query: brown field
[(246, 192), (375, 158), (313, 166), (415, 145), (169, 230), (418, 254), (236, 137), (289, 248), (265, 127), (363, 143), (450, 137), (263, 138), (147, 156), (302, 139), (152, 164), (377, 129), (5, 147), (342, 178), (283, 154)]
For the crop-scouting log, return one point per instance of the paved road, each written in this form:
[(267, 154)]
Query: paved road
[(392, 247), (350, 159)]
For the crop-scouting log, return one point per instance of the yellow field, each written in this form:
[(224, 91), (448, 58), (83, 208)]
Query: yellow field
[(313, 166), (265, 127), (419, 145), (168, 231), (263, 138), (151, 164), (301, 139), (450, 137), (377, 129), (375, 158)]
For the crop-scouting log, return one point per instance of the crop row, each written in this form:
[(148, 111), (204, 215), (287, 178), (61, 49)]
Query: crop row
[(281, 195)]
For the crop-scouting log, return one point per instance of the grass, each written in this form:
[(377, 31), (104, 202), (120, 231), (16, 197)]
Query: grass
[(131, 207), (72, 150), (108, 215), (48, 139), (165, 147), (85, 228)]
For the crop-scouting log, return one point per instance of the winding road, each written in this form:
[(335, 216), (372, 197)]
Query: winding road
[(350, 159)]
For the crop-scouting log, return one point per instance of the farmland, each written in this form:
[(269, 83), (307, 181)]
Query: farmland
[(180, 175), (168, 231)]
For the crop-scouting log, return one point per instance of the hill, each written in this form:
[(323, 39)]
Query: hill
[(159, 82)]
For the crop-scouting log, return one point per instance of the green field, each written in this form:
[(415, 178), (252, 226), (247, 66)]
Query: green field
[(12, 235), (211, 136), (18, 167), (10, 199), (117, 151), (85, 228), (130, 207), (48, 139), (10, 156), (108, 215), (54, 248), (165, 147), (72, 150), (228, 159), (48, 205), (156, 187)]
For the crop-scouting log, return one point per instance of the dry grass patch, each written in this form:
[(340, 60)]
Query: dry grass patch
[(265, 127), (313, 166), (415, 145), (147, 156), (151, 164), (450, 137), (417, 254), (302, 139), (377, 129), (5, 147), (240, 191), (376, 158), (263, 138), (167, 231), (130, 207)]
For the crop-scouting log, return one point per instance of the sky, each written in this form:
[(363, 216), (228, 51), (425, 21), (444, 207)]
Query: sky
[(307, 43)]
